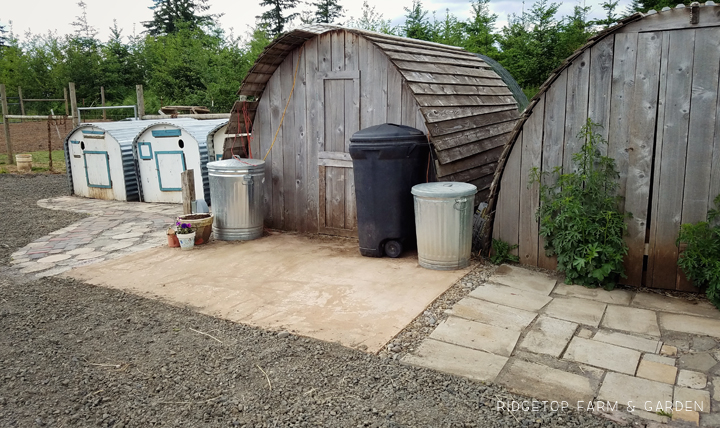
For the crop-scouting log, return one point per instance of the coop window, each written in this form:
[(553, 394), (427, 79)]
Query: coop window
[(160, 133), (145, 150)]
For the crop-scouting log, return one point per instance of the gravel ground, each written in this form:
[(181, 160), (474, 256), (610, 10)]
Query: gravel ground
[(72, 354)]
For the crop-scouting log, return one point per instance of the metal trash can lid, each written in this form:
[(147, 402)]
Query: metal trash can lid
[(444, 189), (236, 165), (389, 133)]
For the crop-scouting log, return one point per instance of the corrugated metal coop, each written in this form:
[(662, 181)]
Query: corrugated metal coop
[(652, 83), (343, 80), (163, 150), (216, 141), (99, 159)]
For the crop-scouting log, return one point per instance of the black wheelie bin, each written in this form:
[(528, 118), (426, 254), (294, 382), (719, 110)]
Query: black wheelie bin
[(388, 160)]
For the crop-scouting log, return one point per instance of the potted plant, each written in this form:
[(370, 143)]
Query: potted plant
[(186, 235)]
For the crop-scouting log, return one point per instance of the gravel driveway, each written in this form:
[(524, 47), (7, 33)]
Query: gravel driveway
[(77, 355)]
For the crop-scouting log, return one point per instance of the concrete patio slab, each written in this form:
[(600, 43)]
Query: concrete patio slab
[(691, 379), (702, 362), (664, 303), (635, 392), (492, 313), (318, 287), (698, 399), (617, 296), (690, 324), (546, 383), (659, 359), (508, 296), (581, 311), (457, 360), (602, 355), (634, 320), (548, 336), (628, 341), (475, 335), (523, 279)]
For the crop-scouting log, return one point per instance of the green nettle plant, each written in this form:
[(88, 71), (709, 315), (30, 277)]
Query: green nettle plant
[(701, 259), (502, 252), (580, 218)]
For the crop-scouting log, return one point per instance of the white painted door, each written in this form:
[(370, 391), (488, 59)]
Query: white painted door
[(170, 165)]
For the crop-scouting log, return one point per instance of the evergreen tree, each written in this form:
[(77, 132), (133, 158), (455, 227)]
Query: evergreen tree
[(327, 11), (273, 19), (644, 6), (169, 14), (417, 25), (449, 31), (372, 21), (3, 37), (611, 17), (82, 26), (480, 29)]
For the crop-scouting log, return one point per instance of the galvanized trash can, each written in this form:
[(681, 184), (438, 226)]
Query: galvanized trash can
[(443, 222), (236, 195)]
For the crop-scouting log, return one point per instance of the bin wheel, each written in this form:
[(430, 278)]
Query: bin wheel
[(393, 249)]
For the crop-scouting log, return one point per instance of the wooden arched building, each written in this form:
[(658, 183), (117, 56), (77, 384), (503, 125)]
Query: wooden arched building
[(343, 80), (652, 83)]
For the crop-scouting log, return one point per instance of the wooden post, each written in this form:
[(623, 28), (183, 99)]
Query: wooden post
[(67, 111), (140, 101), (22, 106), (50, 144), (73, 105), (6, 125), (188, 190), (102, 100)]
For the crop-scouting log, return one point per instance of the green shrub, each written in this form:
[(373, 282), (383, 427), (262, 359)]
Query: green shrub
[(501, 252), (701, 259), (579, 215)]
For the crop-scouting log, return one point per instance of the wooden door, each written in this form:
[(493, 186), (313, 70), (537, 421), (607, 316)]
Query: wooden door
[(341, 100)]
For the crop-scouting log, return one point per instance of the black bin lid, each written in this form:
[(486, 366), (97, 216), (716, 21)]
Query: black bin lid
[(389, 133)]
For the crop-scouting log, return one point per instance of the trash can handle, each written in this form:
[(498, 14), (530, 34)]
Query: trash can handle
[(460, 204)]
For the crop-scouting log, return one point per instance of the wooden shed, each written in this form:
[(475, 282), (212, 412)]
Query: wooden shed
[(343, 80), (652, 83)]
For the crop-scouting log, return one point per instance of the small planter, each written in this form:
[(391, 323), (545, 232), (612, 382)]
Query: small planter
[(24, 163), (187, 240), (172, 238), (202, 223)]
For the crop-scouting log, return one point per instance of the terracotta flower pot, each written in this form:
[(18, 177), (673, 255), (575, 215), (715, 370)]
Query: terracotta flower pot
[(172, 238), (202, 223)]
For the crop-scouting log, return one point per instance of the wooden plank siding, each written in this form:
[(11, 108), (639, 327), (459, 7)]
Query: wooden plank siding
[(656, 94), (349, 80)]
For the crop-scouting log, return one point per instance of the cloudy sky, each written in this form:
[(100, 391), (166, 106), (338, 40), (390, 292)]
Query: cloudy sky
[(41, 16)]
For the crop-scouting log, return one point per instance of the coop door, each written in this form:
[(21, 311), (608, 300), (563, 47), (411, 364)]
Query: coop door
[(170, 165), (97, 169), (337, 211)]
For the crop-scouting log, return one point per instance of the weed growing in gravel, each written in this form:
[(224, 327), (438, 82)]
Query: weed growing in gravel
[(580, 218), (701, 259), (501, 252)]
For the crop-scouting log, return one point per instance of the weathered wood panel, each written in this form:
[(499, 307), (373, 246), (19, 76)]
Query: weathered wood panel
[(441, 114), (315, 126), (508, 208), (288, 149), (277, 104), (436, 89), (576, 107), (601, 63), (262, 137), (641, 136), (467, 123), (670, 166), (352, 123), (496, 138), (300, 146), (531, 157), (552, 147)]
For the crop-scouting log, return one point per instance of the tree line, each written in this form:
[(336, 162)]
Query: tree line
[(183, 57)]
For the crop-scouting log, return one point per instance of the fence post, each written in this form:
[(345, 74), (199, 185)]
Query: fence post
[(102, 100), (6, 123), (22, 106), (188, 190), (67, 112), (73, 105), (140, 101)]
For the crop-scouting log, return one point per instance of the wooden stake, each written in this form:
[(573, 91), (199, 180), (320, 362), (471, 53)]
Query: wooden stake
[(188, 190), (22, 106), (50, 144), (73, 105), (6, 125), (140, 101), (102, 100)]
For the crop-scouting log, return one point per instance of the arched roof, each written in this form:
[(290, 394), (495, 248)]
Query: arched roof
[(467, 107)]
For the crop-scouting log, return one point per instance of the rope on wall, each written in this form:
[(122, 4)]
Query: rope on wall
[(286, 104)]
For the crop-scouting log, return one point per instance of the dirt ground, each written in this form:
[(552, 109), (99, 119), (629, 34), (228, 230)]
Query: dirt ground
[(32, 136), (72, 354)]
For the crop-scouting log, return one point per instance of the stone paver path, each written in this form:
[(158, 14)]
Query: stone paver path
[(112, 230), (561, 342)]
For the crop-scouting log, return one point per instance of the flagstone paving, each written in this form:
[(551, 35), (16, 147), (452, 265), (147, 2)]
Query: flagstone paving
[(113, 229), (564, 342)]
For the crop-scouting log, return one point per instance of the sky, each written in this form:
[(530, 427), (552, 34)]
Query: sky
[(41, 16)]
